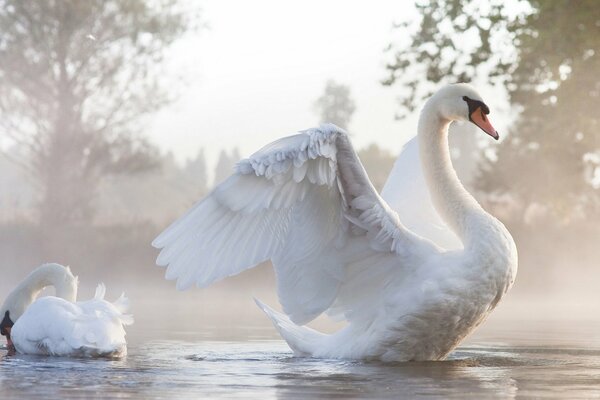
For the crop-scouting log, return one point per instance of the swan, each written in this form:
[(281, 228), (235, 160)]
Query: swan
[(412, 273), (58, 325)]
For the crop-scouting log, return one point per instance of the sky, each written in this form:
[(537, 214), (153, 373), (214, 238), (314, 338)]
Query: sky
[(255, 72)]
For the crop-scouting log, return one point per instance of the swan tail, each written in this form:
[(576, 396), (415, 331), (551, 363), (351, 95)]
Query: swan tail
[(122, 304), (302, 340), (100, 291)]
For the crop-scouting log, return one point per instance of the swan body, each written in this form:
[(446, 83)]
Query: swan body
[(59, 325), (411, 282)]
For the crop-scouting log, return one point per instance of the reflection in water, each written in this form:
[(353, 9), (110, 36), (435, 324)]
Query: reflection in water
[(266, 369)]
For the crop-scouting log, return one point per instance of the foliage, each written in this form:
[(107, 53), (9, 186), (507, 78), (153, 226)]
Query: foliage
[(335, 105), (225, 165), (546, 55), (76, 78), (196, 173)]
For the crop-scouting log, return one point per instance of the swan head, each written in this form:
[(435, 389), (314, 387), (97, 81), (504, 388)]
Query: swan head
[(5, 326), (461, 102)]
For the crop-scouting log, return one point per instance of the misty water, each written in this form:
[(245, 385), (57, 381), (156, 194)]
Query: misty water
[(195, 355)]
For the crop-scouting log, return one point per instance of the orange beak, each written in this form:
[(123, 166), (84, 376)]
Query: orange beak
[(479, 118)]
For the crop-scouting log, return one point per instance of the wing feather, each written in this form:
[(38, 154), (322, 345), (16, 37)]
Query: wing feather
[(298, 202)]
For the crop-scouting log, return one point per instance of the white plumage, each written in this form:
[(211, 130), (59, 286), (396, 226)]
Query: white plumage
[(58, 325), (410, 284)]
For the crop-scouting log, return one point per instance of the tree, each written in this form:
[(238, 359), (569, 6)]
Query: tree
[(335, 105), (76, 80), (15, 197), (546, 55), (225, 165), (196, 174)]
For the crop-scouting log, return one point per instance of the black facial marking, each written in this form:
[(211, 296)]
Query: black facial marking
[(6, 323), (474, 104)]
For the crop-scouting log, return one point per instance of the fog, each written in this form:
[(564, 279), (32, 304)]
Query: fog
[(250, 73)]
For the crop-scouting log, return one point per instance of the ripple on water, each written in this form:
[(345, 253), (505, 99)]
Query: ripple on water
[(267, 369)]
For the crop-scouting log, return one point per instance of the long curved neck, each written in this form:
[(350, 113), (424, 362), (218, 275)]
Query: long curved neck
[(28, 290), (455, 205)]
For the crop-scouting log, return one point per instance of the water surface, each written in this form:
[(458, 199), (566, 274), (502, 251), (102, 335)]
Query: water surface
[(564, 363)]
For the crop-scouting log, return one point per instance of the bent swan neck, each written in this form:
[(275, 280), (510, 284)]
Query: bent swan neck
[(452, 201), (27, 291)]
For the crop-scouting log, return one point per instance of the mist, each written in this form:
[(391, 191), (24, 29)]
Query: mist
[(90, 175)]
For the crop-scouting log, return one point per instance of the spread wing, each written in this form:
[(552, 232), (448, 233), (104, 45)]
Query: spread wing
[(300, 202)]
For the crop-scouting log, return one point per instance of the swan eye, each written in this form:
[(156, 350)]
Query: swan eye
[(475, 104)]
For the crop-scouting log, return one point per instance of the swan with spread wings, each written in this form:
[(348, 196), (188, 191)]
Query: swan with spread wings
[(413, 271)]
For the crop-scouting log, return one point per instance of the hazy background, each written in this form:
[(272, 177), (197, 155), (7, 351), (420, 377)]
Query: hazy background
[(116, 116)]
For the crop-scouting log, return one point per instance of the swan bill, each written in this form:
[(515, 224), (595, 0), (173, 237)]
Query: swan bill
[(6, 324), (478, 112), (479, 118)]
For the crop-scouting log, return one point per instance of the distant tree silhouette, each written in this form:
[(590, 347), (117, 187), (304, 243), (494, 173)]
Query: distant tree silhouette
[(16, 200), (156, 196), (76, 80), (225, 165), (335, 105), (197, 173)]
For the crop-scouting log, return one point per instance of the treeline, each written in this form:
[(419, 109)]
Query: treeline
[(128, 211), (83, 186)]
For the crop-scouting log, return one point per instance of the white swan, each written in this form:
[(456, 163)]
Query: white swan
[(57, 325), (305, 203)]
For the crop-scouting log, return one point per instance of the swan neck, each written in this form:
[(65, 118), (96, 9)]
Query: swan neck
[(21, 297), (451, 200)]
